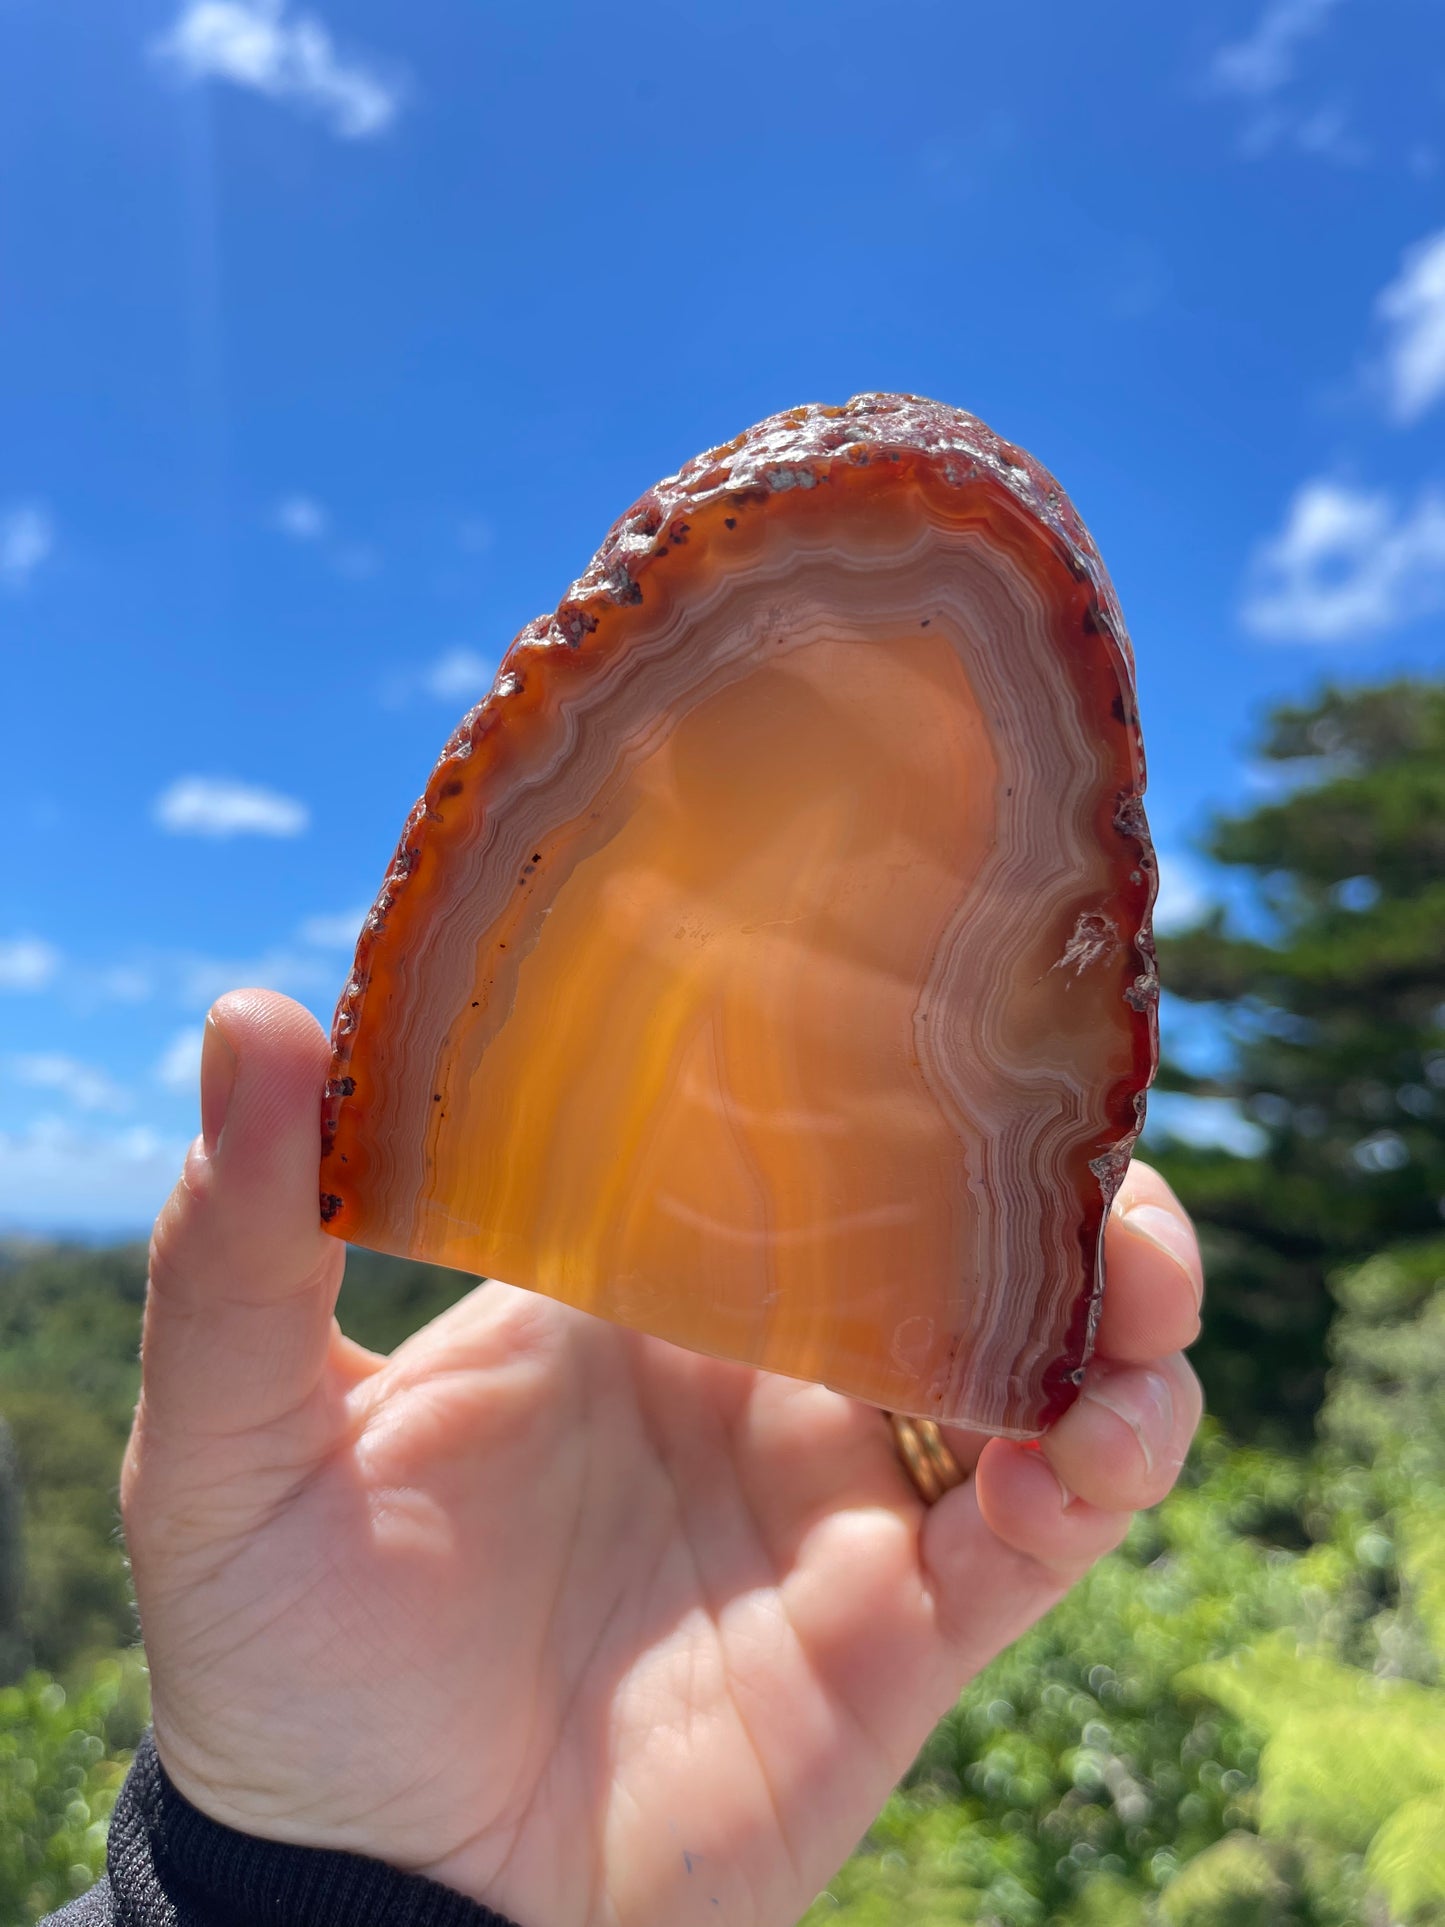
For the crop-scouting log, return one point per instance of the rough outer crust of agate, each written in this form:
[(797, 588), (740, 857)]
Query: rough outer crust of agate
[(767, 965)]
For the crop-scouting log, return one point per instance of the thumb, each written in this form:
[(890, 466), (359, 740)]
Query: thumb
[(243, 1281)]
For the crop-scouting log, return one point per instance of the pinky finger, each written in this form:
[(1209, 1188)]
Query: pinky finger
[(1025, 1505)]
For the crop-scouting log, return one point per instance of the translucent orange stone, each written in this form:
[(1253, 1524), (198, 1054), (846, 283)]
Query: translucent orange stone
[(767, 965)]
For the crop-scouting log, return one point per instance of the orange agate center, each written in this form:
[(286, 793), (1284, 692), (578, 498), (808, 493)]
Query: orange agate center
[(708, 1068)]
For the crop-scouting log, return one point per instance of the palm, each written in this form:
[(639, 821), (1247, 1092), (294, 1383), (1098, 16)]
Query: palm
[(705, 1581)]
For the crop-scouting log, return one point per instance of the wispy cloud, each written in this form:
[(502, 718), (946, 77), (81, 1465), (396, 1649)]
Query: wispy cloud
[(27, 538), (26, 963), (461, 675), (1328, 136), (1347, 565), (199, 981), (88, 1088), (64, 1178), (1264, 61), (458, 677), (301, 517), (122, 984), (334, 933), (1412, 309), (1259, 72), (356, 562), (216, 806), (1325, 135), (180, 1062), (258, 44)]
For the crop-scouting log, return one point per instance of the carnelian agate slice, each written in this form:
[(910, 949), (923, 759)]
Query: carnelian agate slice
[(767, 965)]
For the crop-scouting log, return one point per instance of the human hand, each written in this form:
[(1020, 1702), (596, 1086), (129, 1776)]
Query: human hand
[(591, 1629)]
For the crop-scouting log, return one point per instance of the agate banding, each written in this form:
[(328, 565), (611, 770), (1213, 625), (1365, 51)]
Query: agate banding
[(767, 965)]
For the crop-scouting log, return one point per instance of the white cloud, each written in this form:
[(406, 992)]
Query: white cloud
[(356, 562), (215, 806), (459, 676), (1347, 564), (55, 1177), (1263, 62), (87, 1088), (1412, 308), (201, 980), (257, 44), (180, 1063), (334, 933), (27, 538), (1182, 898), (1259, 70), (1327, 136), (301, 517), (124, 984), (27, 964)]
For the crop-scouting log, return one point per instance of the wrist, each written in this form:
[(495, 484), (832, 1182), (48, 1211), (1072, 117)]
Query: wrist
[(216, 1873)]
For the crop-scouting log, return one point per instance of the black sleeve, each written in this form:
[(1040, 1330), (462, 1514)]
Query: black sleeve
[(170, 1866)]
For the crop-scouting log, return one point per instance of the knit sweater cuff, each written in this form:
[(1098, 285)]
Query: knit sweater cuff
[(172, 1866)]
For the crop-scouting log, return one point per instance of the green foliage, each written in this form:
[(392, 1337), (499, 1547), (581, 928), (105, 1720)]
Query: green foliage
[(13, 1645), (1407, 1860), (1084, 1777), (384, 1300), (1329, 995), (1354, 1763), (1384, 1421), (1071, 1782), (69, 1343), (1345, 1750), (1353, 1766), (63, 1755), (1422, 1568), (70, 1321), (1241, 1881)]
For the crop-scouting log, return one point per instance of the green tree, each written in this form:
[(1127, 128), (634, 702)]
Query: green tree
[(69, 1338), (13, 1645), (1325, 980)]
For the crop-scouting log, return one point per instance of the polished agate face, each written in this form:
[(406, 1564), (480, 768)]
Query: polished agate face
[(767, 964)]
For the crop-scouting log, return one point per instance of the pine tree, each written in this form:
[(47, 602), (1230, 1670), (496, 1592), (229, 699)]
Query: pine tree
[(1327, 980)]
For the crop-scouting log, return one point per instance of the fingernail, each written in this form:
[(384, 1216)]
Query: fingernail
[(1170, 1234), (218, 1078), (1144, 1401)]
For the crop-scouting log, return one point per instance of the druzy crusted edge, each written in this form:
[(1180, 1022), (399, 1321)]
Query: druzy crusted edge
[(799, 449)]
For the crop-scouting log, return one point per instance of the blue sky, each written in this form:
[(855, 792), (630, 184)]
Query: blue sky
[(333, 339)]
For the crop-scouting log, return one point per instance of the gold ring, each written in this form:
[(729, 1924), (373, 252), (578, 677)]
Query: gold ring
[(929, 1463)]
